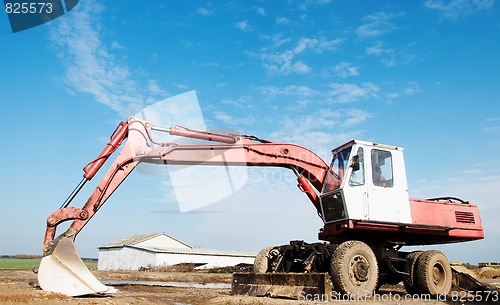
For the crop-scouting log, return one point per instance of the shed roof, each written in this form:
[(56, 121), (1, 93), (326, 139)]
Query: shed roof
[(140, 242), (137, 239)]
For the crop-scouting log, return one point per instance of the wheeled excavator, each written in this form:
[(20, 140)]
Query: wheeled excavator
[(362, 198)]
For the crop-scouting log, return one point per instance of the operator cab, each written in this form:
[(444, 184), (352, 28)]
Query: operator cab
[(366, 181)]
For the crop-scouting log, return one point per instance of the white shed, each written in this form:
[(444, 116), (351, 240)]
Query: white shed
[(157, 250)]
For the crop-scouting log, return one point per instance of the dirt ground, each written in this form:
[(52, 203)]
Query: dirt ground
[(20, 287)]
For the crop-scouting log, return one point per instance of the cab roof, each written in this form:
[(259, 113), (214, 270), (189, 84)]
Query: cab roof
[(366, 143)]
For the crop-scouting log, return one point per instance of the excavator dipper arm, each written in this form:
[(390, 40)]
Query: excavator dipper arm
[(233, 150)]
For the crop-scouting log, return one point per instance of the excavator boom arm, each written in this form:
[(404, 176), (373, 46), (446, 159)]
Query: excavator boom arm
[(233, 150)]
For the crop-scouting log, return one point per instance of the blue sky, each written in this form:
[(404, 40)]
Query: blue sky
[(419, 74)]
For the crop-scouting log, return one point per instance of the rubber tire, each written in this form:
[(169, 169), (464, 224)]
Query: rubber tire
[(429, 265), (261, 262), (409, 281), (344, 279)]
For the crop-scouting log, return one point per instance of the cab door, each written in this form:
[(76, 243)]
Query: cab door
[(356, 187), (387, 190)]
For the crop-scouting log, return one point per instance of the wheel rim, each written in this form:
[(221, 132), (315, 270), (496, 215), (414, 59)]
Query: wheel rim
[(438, 275), (359, 270)]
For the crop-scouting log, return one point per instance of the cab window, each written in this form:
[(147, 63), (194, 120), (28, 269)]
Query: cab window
[(337, 169), (382, 174), (358, 173)]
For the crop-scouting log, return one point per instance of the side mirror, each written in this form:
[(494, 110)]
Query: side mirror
[(355, 163)]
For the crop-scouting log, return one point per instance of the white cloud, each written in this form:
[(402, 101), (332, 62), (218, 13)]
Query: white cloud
[(242, 102), (307, 3), (345, 69), (338, 93), (270, 92), (117, 46), (317, 45), (204, 12), (389, 56), (412, 88), (180, 86), (223, 116), (154, 89), (356, 116), (284, 62), (277, 41), (315, 128), (491, 125), (90, 66), (298, 67), (393, 95), (303, 44), (297, 97), (376, 49), (386, 55), (376, 24), (153, 57), (458, 8), (348, 93), (261, 11), (282, 21), (408, 89), (492, 119), (321, 130), (328, 45), (243, 25)]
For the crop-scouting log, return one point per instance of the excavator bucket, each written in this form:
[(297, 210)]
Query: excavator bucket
[(64, 272), (281, 285)]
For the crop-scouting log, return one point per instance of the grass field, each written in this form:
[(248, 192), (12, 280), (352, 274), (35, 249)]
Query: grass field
[(29, 263)]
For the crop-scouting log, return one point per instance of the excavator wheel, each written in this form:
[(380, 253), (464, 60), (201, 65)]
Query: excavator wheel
[(354, 269), (433, 273), (409, 281), (261, 262)]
